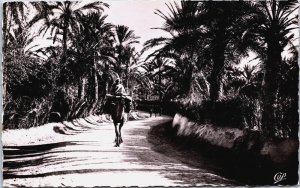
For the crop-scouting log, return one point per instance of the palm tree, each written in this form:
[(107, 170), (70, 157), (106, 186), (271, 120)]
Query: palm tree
[(64, 17), (237, 81), (225, 24), (13, 15), (131, 58), (272, 27), (205, 32), (137, 77), (124, 39), (91, 47), (179, 24), (182, 45), (125, 36), (157, 68), (17, 46), (169, 76)]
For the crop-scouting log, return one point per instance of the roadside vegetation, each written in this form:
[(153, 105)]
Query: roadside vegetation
[(73, 74), (198, 67)]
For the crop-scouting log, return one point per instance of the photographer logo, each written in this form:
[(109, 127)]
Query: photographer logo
[(278, 177)]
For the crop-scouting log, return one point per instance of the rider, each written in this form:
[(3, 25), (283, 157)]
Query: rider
[(119, 90)]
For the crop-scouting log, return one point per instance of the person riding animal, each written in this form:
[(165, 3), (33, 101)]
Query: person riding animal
[(119, 104), (118, 89)]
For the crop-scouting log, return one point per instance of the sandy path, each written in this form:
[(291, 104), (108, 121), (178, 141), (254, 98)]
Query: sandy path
[(81, 153)]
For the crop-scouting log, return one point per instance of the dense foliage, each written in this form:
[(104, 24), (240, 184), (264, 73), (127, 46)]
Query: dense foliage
[(70, 77), (207, 43), (200, 68)]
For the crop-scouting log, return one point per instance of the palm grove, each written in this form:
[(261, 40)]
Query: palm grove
[(197, 67)]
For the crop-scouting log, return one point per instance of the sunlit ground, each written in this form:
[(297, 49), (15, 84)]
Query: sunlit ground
[(82, 153)]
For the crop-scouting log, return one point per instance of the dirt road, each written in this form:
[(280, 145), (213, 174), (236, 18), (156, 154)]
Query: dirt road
[(82, 153)]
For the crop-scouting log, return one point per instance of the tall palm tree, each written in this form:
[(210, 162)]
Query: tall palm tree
[(169, 76), (125, 35), (158, 69), (124, 39), (13, 15), (182, 45), (64, 17), (272, 27), (17, 52), (131, 58), (225, 24), (91, 47), (207, 32), (136, 76)]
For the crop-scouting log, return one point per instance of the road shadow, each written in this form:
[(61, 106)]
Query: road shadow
[(34, 156), (64, 172), (75, 126), (11, 152), (244, 168)]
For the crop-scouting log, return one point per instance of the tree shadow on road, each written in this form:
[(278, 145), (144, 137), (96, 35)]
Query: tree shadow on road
[(163, 141), (64, 172), (75, 126), (242, 167), (18, 158)]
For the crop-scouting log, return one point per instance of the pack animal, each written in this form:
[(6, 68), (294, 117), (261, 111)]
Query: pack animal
[(119, 117)]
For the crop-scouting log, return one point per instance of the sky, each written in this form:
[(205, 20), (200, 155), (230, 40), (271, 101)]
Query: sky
[(139, 16)]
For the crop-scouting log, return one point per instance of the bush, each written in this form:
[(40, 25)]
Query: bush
[(237, 112), (165, 107), (25, 112), (287, 118)]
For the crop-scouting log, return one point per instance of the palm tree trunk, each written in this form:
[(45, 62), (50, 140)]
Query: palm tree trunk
[(5, 94), (206, 82), (5, 21), (5, 30), (64, 55), (105, 78), (127, 76), (96, 93), (90, 91), (270, 86), (160, 92), (81, 88), (6, 27), (105, 87), (215, 77), (218, 58), (65, 32), (95, 88)]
